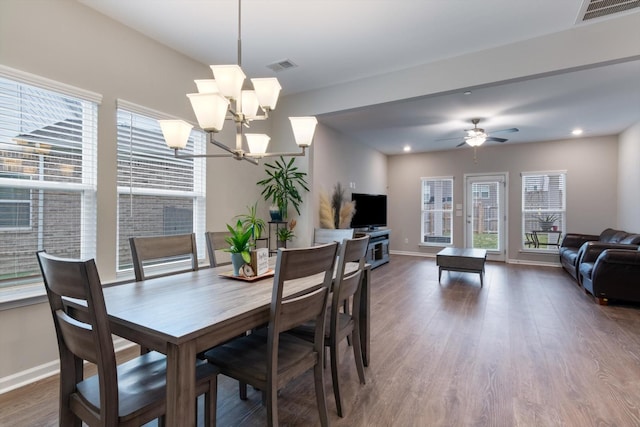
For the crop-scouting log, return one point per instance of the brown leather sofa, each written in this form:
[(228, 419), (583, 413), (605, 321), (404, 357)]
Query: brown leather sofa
[(573, 247), (614, 274)]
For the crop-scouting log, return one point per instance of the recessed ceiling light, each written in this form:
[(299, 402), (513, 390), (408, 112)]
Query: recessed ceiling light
[(468, 92), (407, 148), (576, 132)]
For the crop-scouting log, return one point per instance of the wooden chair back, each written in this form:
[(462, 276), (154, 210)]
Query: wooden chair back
[(328, 235), (348, 285), (159, 249), (301, 263), (215, 242), (87, 338)]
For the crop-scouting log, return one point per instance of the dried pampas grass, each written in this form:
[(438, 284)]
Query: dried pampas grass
[(335, 211), (346, 214), (326, 212)]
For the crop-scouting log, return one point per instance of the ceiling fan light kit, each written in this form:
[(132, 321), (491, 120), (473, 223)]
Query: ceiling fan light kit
[(477, 136), (223, 98)]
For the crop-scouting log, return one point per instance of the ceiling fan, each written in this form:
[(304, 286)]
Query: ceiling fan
[(477, 136)]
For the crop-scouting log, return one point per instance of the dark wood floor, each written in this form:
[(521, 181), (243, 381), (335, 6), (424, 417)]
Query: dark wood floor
[(528, 349)]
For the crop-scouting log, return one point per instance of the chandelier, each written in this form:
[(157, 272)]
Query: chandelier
[(223, 98)]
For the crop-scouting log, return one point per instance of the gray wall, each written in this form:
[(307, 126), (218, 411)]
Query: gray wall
[(358, 168), (629, 178), (70, 43), (591, 165)]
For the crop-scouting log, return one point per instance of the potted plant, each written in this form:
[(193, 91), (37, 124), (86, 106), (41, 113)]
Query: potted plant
[(251, 219), (239, 245), (286, 233), (546, 221), (281, 187)]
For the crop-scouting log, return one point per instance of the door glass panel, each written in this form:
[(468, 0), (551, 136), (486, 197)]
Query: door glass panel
[(485, 215)]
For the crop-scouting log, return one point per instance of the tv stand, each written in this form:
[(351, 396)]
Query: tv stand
[(378, 249)]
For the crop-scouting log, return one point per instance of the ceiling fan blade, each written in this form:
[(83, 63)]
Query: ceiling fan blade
[(461, 144), (493, 138), (447, 139), (510, 130)]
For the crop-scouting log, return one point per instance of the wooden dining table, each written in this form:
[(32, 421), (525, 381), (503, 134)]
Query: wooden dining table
[(184, 314)]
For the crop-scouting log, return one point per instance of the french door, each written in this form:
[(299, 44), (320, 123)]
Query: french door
[(485, 214)]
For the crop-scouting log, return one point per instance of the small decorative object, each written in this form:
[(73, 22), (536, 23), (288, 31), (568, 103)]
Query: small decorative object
[(281, 187), (260, 260), (286, 233), (546, 221), (239, 245), (337, 212), (247, 271)]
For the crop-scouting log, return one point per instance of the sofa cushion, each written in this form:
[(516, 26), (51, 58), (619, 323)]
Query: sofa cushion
[(570, 256), (631, 239), (607, 234), (586, 268), (613, 236)]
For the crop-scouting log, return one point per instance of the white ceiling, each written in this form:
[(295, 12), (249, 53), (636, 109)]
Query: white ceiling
[(337, 41)]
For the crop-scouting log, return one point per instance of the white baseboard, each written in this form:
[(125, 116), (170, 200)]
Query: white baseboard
[(509, 261), (28, 376), (535, 263), (421, 254)]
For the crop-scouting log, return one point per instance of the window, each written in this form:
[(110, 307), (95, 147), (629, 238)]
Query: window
[(15, 208), (47, 173), (437, 210), (480, 191), (158, 194), (543, 208)]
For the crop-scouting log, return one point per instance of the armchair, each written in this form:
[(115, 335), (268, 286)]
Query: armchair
[(572, 243), (615, 274)]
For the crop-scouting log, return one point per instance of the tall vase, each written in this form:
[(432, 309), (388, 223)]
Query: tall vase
[(274, 212), (237, 261)]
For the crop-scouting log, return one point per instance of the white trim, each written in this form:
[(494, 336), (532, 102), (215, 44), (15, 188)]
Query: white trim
[(508, 261), (550, 172), (45, 83), (31, 375), (430, 178), (148, 112), (533, 263), (407, 253)]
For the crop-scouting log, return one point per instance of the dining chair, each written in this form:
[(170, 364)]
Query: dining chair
[(343, 324), (129, 394), (268, 359), (158, 249), (215, 242)]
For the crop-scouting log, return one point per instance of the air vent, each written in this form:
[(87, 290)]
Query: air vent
[(283, 65), (592, 9)]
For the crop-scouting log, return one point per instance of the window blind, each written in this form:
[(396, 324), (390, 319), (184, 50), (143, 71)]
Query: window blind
[(47, 178), (437, 210), (158, 194), (543, 202)]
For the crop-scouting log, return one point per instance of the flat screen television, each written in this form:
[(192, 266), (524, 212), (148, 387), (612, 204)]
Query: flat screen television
[(371, 211)]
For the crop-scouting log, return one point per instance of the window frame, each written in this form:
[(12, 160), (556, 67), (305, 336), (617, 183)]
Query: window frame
[(439, 240), (25, 289), (197, 145), (527, 187)]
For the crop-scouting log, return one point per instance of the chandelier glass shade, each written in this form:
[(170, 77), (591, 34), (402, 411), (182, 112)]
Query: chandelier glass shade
[(224, 98)]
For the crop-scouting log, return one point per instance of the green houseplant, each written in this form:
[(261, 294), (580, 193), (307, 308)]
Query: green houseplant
[(239, 245), (251, 219), (281, 186), (546, 221), (286, 233)]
